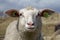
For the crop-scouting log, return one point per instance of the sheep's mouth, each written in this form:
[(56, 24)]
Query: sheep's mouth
[(30, 28)]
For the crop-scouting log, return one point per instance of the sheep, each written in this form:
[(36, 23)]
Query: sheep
[(28, 25)]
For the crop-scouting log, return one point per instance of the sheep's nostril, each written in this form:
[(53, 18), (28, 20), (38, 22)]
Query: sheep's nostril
[(31, 24)]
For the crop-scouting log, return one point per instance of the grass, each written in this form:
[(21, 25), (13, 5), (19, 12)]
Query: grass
[(4, 24)]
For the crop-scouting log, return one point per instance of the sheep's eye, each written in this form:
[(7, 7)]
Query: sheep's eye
[(37, 15), (21, 14)]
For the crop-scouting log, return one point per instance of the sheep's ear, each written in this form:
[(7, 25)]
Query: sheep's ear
[(12, 12), (46, 12)]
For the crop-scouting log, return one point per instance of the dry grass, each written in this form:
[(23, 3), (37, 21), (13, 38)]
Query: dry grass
[(4, 24), (53, 19), (55, 35)]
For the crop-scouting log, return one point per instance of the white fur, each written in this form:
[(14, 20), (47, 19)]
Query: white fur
[(23, 33)]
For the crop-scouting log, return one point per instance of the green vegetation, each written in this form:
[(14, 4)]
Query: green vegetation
[(46, 14), (14, 13)]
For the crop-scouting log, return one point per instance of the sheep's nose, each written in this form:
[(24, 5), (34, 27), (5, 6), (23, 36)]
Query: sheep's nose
[(30, 24)]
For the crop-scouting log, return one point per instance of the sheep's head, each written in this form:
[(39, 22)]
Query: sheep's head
[(29, 19)]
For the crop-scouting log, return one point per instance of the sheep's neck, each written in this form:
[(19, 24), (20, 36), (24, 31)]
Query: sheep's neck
[(29, 36)]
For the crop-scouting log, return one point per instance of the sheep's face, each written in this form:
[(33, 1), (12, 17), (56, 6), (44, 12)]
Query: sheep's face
[(29, 19)]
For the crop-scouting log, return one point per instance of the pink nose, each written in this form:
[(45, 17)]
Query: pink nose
[(30, 24)]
